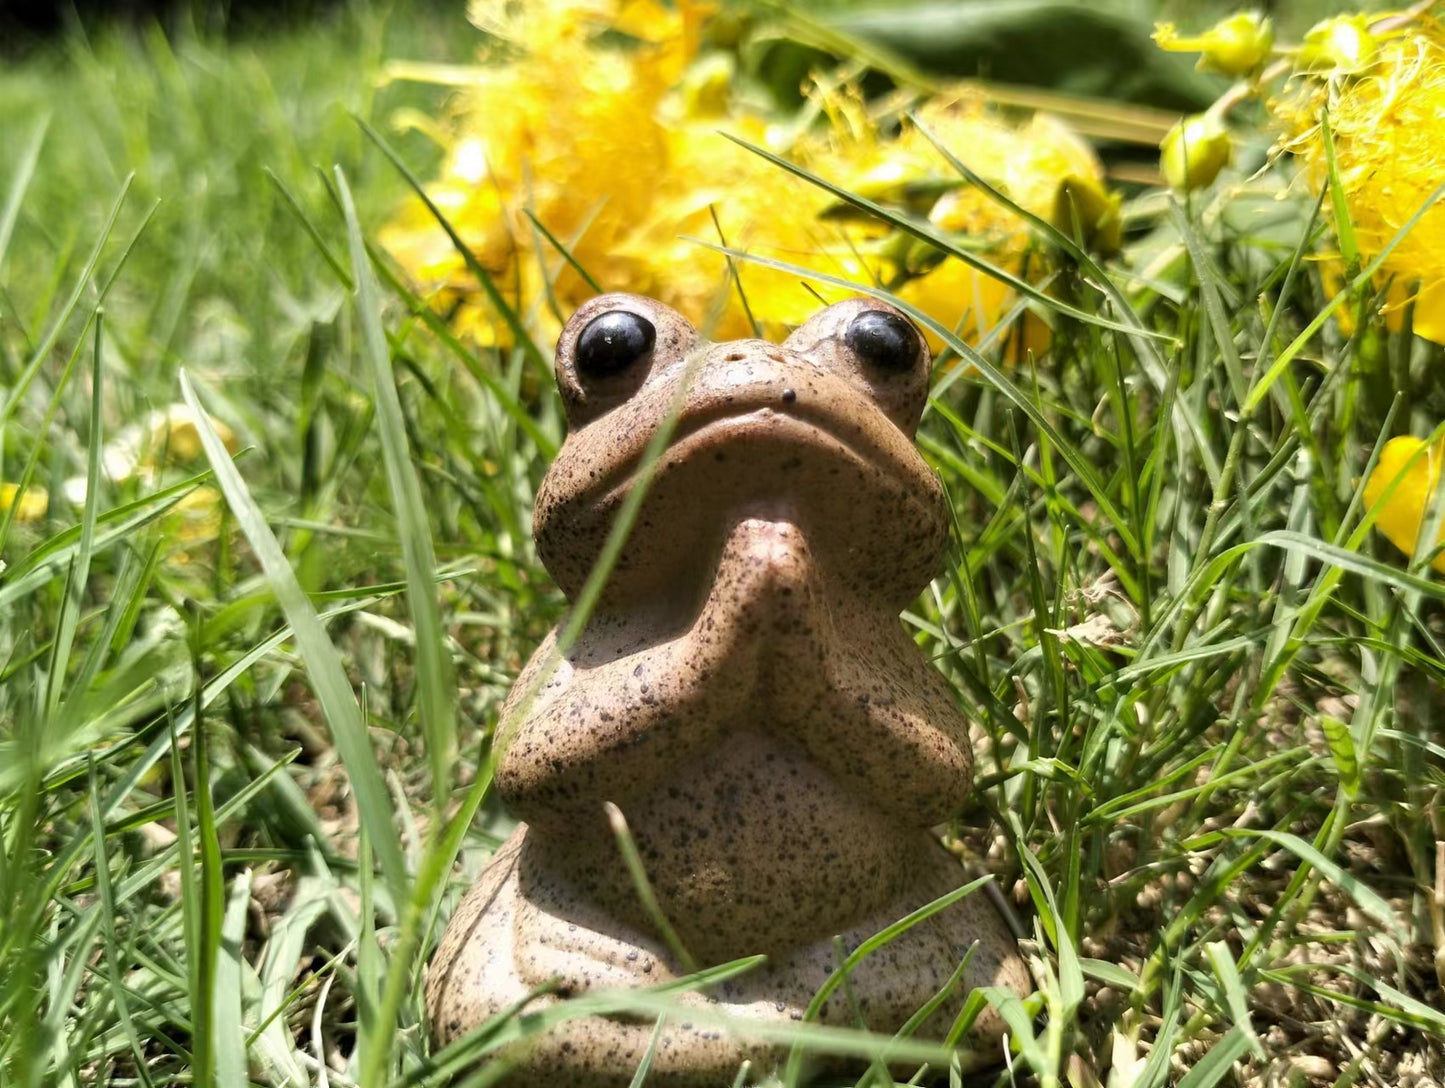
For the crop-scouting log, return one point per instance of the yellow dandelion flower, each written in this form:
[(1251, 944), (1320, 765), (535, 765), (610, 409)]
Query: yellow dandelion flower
[(1388, 124), (566, 126), (616, 152), (765, 212), (1403, 513), (29, 505)]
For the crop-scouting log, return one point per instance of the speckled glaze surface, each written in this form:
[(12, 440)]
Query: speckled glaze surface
[(744, 692)]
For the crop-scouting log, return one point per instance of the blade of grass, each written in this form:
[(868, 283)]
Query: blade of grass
[(1139, 336), (1210, 295), (328, 675), (494, 296), (294, 206), (1221, 962), (888, 933), (24, 172), (1344, 225), (42, 350), (1216, 1065), (114, 950), (564, 252), (444, 843), (231, 1050), (1365, 897), (79, 573), (504, 1027), (435, 685), (645, 1066), (632, 858)]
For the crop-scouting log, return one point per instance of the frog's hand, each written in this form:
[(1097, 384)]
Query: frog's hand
[(598, 732), (878, 715)]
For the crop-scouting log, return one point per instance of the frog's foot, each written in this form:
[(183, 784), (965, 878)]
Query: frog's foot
[(504, 943)]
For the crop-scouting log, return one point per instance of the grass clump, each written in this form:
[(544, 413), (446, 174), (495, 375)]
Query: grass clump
[(246, 690)]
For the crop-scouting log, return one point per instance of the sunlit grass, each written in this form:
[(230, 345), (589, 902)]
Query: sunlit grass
[(243, 776)]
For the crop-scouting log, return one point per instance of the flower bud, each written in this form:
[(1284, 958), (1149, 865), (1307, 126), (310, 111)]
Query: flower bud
[(1235, 46), (1087, 212), (1343, 44), (1194, 151)]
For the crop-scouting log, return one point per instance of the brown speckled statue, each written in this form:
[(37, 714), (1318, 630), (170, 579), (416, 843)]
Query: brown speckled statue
[(743, 692)]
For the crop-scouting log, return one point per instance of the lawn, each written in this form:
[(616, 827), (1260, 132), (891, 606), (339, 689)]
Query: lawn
[(250, 670)]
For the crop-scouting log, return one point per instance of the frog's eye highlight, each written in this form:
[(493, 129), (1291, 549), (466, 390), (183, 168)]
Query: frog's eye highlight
[(612, 342), (884, 340)]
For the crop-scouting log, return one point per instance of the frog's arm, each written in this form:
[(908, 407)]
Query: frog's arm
[(882, 718), (594, 732)]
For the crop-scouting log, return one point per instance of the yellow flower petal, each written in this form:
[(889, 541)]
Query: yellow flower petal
[(1403, 513), (1429, 315)]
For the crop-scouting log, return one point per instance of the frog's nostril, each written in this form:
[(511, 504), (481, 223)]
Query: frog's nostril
[(735, 356)]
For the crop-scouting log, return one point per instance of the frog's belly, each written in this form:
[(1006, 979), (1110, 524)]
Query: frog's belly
[(751, 849)]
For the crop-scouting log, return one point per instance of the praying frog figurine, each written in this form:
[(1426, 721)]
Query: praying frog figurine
[(744, 693)]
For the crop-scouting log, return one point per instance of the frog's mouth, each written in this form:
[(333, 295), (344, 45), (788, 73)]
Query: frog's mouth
[(715, 428)]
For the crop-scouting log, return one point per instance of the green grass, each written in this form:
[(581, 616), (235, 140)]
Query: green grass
[(243, 780)]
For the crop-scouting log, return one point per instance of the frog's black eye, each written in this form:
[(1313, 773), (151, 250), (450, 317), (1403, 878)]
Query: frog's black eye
[(884, 340), (612, 342)]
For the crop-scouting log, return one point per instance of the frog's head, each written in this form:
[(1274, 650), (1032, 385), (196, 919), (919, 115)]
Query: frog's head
[(817, 431)]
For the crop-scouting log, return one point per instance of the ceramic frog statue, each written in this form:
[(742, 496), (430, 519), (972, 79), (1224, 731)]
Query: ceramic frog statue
[(743, 691)]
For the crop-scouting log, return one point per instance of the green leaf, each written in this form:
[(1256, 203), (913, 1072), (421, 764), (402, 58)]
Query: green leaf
[(1084, 50)]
